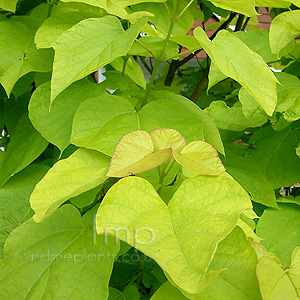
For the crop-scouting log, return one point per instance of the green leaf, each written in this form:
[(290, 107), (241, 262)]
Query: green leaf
[(168, 292), (280, 231), (14, 205), (275, 154), (85, 198), (18, 53), (200, 157), (56, 25), (80, 172), (238, 281), (274, 3), (104, 40), (190, 224), (118, 118), (258, 41), (115, 294), (57, 257), (275, 282), (233, 118), (284, 28), (132, 69), (246, 7), (251, 178), (25, 145), (56, 124), (9, 5), (134, 154), (237, 61)]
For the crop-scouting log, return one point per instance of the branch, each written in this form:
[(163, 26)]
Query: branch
[(239, 23), (202, 86)]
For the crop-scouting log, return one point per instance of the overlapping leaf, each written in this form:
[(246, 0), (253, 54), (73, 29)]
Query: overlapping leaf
[(80, 172), (9, 5), (189, 228)]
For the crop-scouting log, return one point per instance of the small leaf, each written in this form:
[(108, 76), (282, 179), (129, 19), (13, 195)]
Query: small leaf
[(135, 154), (167, 138), (200, 157), (80, 172), (9, 5)]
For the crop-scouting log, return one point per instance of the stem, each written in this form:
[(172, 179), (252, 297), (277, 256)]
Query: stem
[(183, 53), (245, 24), (145, 64), (125, 59), (183, 11), (239, 22), (143, 45), (202, 85), (50, 8)]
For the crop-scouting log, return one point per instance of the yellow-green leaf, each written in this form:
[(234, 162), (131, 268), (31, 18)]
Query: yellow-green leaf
[(9, 5), (135, 154), (167, 138), (200, 157)]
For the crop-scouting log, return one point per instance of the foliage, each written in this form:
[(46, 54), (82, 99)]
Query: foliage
[(183, 186)]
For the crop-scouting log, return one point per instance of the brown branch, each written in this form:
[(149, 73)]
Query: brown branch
[(239, 22), (201, 86)]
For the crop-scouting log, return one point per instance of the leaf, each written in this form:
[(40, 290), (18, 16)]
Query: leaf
[(132, 69), (237, 61), (274, 3), (200, 157), (238, 281), (258, 41), (233, 118), (56, 257), (9, 5), (168, 292), (163, 138), (251, 178), (80, 172), (280, 230), (276, 283), (246, 7), (14, 205), (134, 153), (103, 41), (115, 294), (284, 28), (56, 125), (86, 198), (274, 154), (55, 25), (25, 145), (18, 54), (190, 224), (118, 117)]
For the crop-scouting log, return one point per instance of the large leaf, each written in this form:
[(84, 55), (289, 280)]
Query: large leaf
[(78, 55), (56, 124), (134, 154), (25, 145), (236, 60), (100, 122), (250, 177), (277, 283), (238, 281), (57, 257), (246, 7), (284, 28), (280, 231), (233, 118), (9, 5), (276, 3), (275, 155), (18, 53), (200, 157), (189, 228), (14, 200), (80, 172), (168, 292)]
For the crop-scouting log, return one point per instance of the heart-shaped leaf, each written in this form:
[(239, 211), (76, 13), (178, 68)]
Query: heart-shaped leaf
[(181, 236), (200, 157), (135, 154)]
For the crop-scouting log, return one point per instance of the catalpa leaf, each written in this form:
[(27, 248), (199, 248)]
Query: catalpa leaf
[(284, 29), (9, 5), (77, 55), (14, 204), (167, 138), (246, 7), (237, 61), (181, 236), (275, 3), (55, 125), (275, 282), (200, 157), (80, 172), (168, 292), (57, 257), (135, 154)]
